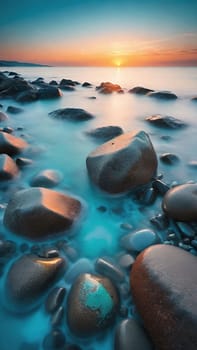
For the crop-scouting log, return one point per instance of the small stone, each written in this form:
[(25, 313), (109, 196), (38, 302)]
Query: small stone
[(126, 261), (57, 317), (130, 335), (54, 340), (14, 110), (92, 305), (160, 221), (11, 145), (8, 168), (3, 117), (149, 196), (160, 186), (46, 178), (71, 114), (49, 253), (81, 266), (109, 269), (126, 226), (108, 88), (21, 162), (55, 299), (139, 240), (169, 158)]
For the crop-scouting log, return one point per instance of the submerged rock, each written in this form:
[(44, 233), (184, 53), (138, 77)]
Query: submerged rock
[(49, 92), (123, 163), (29, 279), (72, 114), (11, 145), (46, 178), (27, 96), (163, 283), (139, 90), (169, 158), (3, 117), (131, 336), (105, 133), (55, 299), (139, 240), (165, 121), (163, 95), (86, 84), (180, 202), (8, 168), (38, 212), (14, 110), (92, 305), (55, 340)]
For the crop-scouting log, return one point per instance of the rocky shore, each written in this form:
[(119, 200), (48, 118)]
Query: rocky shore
[(143, 295)]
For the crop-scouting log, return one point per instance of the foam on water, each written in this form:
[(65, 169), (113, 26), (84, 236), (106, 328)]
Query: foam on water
[(64, 146)]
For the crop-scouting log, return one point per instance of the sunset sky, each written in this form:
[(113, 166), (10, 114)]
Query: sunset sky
[(99, 32)]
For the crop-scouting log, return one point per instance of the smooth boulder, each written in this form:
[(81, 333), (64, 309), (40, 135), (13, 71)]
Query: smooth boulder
[(92, 305), (38, 212), (46, 178), (29, 279), (49, 92), (72, 114), (163, 95), (163, 284), (123, 163), (140, 90), (105, 133), (180, 202), (8, 168), (165, 121), (11, 145), (3, 117), (108, 88)]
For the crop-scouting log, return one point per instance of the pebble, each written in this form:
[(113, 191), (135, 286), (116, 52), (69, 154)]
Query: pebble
[(169, 158), (23, 161), (57, 317), (109, 269), (185, 229), (160, 186), (14, 110), (54, 340), (126, 261), (55, 299), (139, 240)]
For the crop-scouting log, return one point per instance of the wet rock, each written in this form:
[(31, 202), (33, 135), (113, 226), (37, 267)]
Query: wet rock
[(186, 229), (38, 275), (12, 87), (3, 117), (71, 114), (130, 335), (126, 261), (53, 82), (7, 129), (180, 202), (165, 121), (11, 145), (92, 305), (57, 317), (86, 84), (109, 269), (123, 163), (163, 283), (81, 266), (194, 99), (27, 96), (160, 186), (149, 196), (54, 340), (49, 92), (67, 82), (38, 212), (55, 299), (160, 221), (139, 90), (105, 133), (48, 252), (46, 178), (169, 158), (139, 240), (108, 88), (38, 81), (163, 95), (7, 248), (14, 110), (21, 162), (8, 168)]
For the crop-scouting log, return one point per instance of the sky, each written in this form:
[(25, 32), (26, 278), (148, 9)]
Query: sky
[(99, 32)]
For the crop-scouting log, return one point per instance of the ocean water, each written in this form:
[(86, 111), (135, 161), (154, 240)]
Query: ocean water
[(64, 146)]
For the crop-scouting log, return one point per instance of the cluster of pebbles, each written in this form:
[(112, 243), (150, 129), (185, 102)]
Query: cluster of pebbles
[(146, 295)]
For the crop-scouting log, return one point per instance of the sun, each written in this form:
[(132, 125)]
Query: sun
[(118, 63)]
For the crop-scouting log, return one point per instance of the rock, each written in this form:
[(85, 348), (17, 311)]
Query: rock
[(72, 114), (123, 163), (180, 202), (194, 99), (57, 317), (163, 283), (49, 92), (1, 106), (139, 240), (81, 266), (169, 158), (7, 249), (11, 145), (160, 186), (139, 90), (186, 229), (38, 275), (165, 121), (67, 82), (108, 88), (38, 81), (130, 335), (193, 164), (8, 168), (55, 299), (92, 97), (163, 95), (86, 84), (21, 162), (67, 88), (48, 252), (46, 178), (126, 261), (7, 129), (105, 133), (27, 96), (53, 82), (38, 212), (149, 196), (3, 117), (14, 110), (12, 87), (109, 269), (54, 340), (91, 305)]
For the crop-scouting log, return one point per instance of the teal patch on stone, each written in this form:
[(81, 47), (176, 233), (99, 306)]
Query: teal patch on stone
[(96, 297)]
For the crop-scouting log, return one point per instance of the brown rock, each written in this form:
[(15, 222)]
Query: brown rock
[(8, 168), (10, 144), (3, 117)]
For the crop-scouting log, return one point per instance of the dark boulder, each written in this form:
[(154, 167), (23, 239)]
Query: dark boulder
[(92, 305), (169, 158), (11, 145), (123, 163), (67, 82), (8, 168), (163, 95), (86, 84), (105, 133), (27, 96), (139, 90), (14, 110), (163, 284), (38, 212), (71, 114), (29, 279), (49, 92), (180, 202), (165, 121)]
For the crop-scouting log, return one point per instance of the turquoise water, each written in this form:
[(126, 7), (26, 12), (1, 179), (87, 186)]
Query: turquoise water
[(64, 146)]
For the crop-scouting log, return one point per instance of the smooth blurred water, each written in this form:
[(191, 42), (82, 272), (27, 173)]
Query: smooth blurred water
[(64, 146)]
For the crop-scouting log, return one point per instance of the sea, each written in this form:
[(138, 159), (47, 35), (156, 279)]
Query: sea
[(64, 146)]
